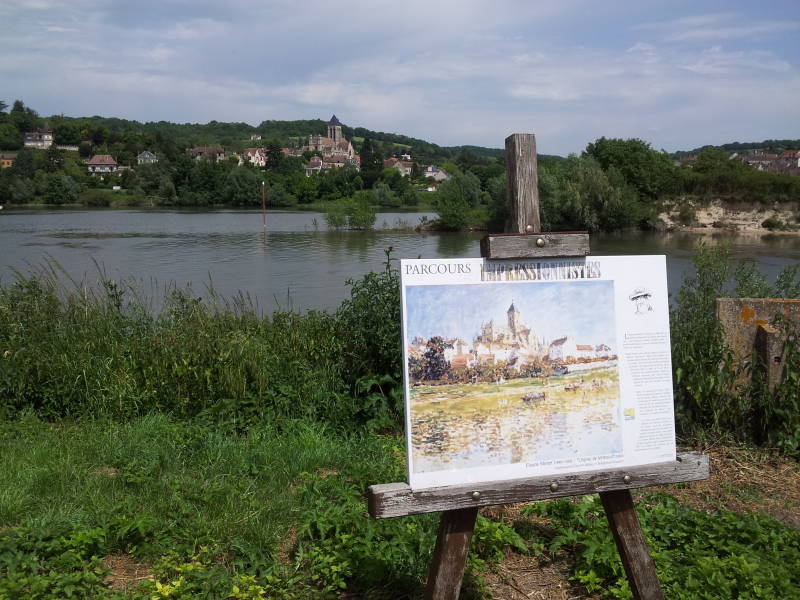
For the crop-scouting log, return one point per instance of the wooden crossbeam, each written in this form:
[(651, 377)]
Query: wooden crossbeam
[(535, 245), (398, 499)]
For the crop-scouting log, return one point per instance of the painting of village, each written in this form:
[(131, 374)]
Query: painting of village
[(501, 374)]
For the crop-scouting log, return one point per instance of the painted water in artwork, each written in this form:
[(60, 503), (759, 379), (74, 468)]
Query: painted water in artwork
[(503, 373)]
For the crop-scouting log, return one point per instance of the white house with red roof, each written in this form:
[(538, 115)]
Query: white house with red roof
[(102, 164)]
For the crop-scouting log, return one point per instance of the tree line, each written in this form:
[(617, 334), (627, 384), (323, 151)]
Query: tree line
[(613, 184)]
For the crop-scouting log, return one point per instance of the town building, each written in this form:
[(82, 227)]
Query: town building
[(436, 173), (333, 145), (255, 156), (41, 138), (210, 153), (513, 342), (403, 166), (7, 160), (146, 158), (102, 164)]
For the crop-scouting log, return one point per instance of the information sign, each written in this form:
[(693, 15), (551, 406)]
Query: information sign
[(522, 368)]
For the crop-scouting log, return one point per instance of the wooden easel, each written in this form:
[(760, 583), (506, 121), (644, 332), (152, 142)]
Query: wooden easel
[(459, 504)]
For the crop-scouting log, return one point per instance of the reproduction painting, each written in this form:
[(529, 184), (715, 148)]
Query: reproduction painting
[(516, 369)]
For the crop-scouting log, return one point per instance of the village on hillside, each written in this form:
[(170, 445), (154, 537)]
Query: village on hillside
[(501, 352), (323, 153)]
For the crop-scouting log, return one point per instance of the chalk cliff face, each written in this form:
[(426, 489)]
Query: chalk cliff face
[(734, 216)]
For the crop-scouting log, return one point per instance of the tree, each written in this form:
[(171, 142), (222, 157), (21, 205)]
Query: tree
[(166, 190), (10, 137), (371, 163), (242, 187), (23, 118), (434, 363), (382, 195), (67, 132), (274, 156), (649, 172), (24, 165), (60, 189), (452, 207), (53, 159)]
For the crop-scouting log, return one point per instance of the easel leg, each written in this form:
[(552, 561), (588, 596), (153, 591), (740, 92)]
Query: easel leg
[(450, 555), (628, 536)]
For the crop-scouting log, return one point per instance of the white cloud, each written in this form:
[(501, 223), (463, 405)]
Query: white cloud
[(450, 72), (718, 26)]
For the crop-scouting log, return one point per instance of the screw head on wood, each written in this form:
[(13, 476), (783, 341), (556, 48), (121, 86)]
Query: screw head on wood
[(554, 486), (540, 242), (476, 496), (528, 228), (626, 479)]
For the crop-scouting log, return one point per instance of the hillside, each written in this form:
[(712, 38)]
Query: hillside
[(776, 146), (237, 135)]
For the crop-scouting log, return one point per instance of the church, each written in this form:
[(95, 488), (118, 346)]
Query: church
[(513, 341), (334, 145)]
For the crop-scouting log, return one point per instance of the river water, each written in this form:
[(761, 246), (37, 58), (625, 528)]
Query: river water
[(298, 263)]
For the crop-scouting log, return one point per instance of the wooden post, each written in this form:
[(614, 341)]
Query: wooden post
[(523, 184), (632, 547), (450, 555)]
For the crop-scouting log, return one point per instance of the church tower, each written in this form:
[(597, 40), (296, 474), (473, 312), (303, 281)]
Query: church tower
[(335, 129), (513, 319)]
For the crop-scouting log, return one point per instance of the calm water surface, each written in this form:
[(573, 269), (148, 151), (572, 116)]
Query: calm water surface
[(297, 264)]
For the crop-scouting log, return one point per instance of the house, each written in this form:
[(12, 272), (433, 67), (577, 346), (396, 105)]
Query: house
[(436, 173), (7, 160), (255, 156), (41, 138), (313, 166), (146, 158), (255, 136), (210, 153), (403, 166), (102, 164)]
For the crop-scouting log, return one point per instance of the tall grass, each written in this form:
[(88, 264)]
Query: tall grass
[(71, 351)]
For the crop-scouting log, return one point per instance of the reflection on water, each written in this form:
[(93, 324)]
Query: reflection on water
[(299, 261), (563, 418)]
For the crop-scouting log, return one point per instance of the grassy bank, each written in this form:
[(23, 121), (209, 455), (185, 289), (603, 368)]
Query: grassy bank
[(208, 451)]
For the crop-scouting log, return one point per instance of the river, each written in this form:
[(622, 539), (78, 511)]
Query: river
[(298, 264)]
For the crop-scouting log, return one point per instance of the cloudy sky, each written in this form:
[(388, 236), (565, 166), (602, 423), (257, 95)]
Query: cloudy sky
[(678, 74)]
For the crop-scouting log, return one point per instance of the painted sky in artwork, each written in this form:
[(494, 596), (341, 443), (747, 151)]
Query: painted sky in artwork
[(582, 309), (677, 74)]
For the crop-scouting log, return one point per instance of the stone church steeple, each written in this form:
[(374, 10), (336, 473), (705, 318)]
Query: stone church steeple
[(513, 318), (335, 129)]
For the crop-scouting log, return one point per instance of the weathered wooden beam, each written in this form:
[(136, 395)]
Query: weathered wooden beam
[(450, 555), (536, 245), (398, 499), (632, 547), (523, 184)]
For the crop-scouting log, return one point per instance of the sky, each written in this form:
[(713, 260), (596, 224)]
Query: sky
[(677, 74), (581, 309)]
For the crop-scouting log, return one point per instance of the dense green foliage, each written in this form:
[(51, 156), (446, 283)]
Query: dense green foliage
[(720, 555), (709, 394)]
